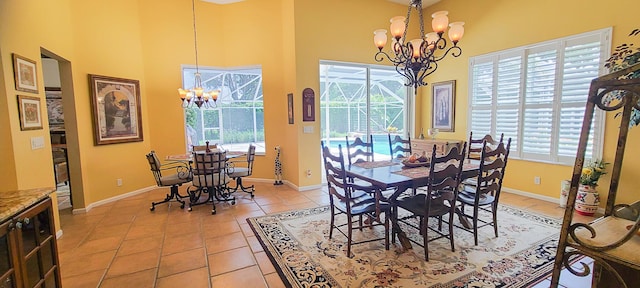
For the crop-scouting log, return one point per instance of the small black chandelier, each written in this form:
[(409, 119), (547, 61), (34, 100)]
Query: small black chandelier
[(197, 95), (415, 59)]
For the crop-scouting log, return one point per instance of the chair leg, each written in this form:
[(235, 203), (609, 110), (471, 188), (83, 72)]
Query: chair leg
[(173, 195), (349, 235), (453, 248), (475, 224), (494, 209), (425, 238), (250, 189), (386, 230), (332, 222)]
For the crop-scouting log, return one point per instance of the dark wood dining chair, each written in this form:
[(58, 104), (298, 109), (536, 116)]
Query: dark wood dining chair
[(359, 151), (398, 147), (209, 177), (476, 145), (237, 171), (353, 200), (179, 174), (438, 201), (486, 194)]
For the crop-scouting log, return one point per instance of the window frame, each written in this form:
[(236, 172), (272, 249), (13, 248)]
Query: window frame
[(559, 44)]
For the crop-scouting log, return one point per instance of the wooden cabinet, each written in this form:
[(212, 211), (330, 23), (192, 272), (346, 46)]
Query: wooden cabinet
[(28, 250), (442, 145)]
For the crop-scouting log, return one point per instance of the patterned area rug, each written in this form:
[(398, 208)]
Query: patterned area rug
[(298, 245)]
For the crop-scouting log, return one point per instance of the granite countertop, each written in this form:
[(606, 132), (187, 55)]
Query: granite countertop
[(13, 202)]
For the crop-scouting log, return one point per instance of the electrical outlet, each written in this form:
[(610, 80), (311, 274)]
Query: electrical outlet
[(536, 180), (119, 182), (308, 173)]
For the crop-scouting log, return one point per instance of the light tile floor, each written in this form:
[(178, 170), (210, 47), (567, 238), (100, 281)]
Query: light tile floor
[(123, 244)]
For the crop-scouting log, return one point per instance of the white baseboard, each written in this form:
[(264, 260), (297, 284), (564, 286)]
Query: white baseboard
[(288, 183), (540, 197), (112, 199)]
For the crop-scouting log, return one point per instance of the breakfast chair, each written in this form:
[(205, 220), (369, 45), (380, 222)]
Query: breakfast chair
[(209, 177), (486, 194), (239, 172), (359, 151), (438, 201), (398, 147), (181, 176), (352, 200)]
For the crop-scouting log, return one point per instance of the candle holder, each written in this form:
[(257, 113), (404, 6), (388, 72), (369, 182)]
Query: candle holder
[(433, 132)]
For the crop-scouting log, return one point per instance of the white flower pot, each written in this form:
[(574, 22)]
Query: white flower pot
[(565, 186), (587, 200)]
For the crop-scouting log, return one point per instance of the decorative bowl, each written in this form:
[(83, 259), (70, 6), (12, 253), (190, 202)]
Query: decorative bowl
[(408, 164)]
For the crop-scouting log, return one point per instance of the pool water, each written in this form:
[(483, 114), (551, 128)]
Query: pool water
[(380, 145)]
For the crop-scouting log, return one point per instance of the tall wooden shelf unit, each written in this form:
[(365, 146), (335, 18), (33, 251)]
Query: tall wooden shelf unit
[(606, 240)]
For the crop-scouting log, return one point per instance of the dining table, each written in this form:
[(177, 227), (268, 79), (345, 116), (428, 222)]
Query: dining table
[(394, 175)]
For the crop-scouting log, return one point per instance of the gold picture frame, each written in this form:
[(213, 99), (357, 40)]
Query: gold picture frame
[(25, 74), (116, 110), (443, 106), (30, 112)]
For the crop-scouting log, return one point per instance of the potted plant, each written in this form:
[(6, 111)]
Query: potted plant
[(624, 55), (588, 199)]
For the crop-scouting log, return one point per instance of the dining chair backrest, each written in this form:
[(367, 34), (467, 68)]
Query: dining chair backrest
[(359, 151), (493, 163), (334, 167), (476, 146), (398, 147), (209, 169), (445, 174), (154, 163), (251, 155)]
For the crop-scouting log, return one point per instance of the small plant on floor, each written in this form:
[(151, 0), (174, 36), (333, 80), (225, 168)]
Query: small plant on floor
[(592, 172), (625, 55)]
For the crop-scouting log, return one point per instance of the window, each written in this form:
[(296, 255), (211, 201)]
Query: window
[(238, 118), (537, 95), (357, 100)]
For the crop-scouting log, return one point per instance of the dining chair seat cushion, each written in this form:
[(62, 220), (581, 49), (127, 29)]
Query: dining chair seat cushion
[(361, 203), (416, 205), (210, 180), (239, 172), (468, 198), (173, 179)]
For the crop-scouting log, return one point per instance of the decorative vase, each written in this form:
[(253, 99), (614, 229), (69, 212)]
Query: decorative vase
[(587, 200), (565, 186)]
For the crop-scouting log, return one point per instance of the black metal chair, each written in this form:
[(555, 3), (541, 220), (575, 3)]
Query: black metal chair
[(398, 147), (181, 176), (486, 194), (438, 200), (359, 151), (239, 172), (352, 200), (209, 177)]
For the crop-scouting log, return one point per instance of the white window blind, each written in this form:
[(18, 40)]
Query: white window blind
[(536, 96)]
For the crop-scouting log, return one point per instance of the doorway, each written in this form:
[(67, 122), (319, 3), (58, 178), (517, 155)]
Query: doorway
[(61, 114)]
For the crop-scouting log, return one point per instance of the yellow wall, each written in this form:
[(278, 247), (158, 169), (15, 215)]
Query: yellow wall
[(146, 41), (498, 25)]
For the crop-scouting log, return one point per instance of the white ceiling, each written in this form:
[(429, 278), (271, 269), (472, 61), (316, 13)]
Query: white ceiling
[(425, 3)]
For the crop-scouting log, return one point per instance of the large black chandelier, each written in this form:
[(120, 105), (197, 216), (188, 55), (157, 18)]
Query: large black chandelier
[(416, 59), (197, 95)]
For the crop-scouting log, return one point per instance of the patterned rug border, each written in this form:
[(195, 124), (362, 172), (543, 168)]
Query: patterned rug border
[(541, 274)]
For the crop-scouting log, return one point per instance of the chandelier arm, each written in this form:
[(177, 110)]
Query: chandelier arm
[(381, 55), (454, 54), (403, 73)]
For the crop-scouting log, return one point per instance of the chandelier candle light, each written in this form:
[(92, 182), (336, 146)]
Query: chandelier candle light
[(416, 59), (197, 95)]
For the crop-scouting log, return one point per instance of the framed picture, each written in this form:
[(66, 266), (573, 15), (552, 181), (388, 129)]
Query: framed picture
[(116, 110), (290, 107), (55, 112), (443, 106), (24, 71), (29, 111)]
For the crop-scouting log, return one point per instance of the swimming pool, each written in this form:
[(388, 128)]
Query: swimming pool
[(380, 145)]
